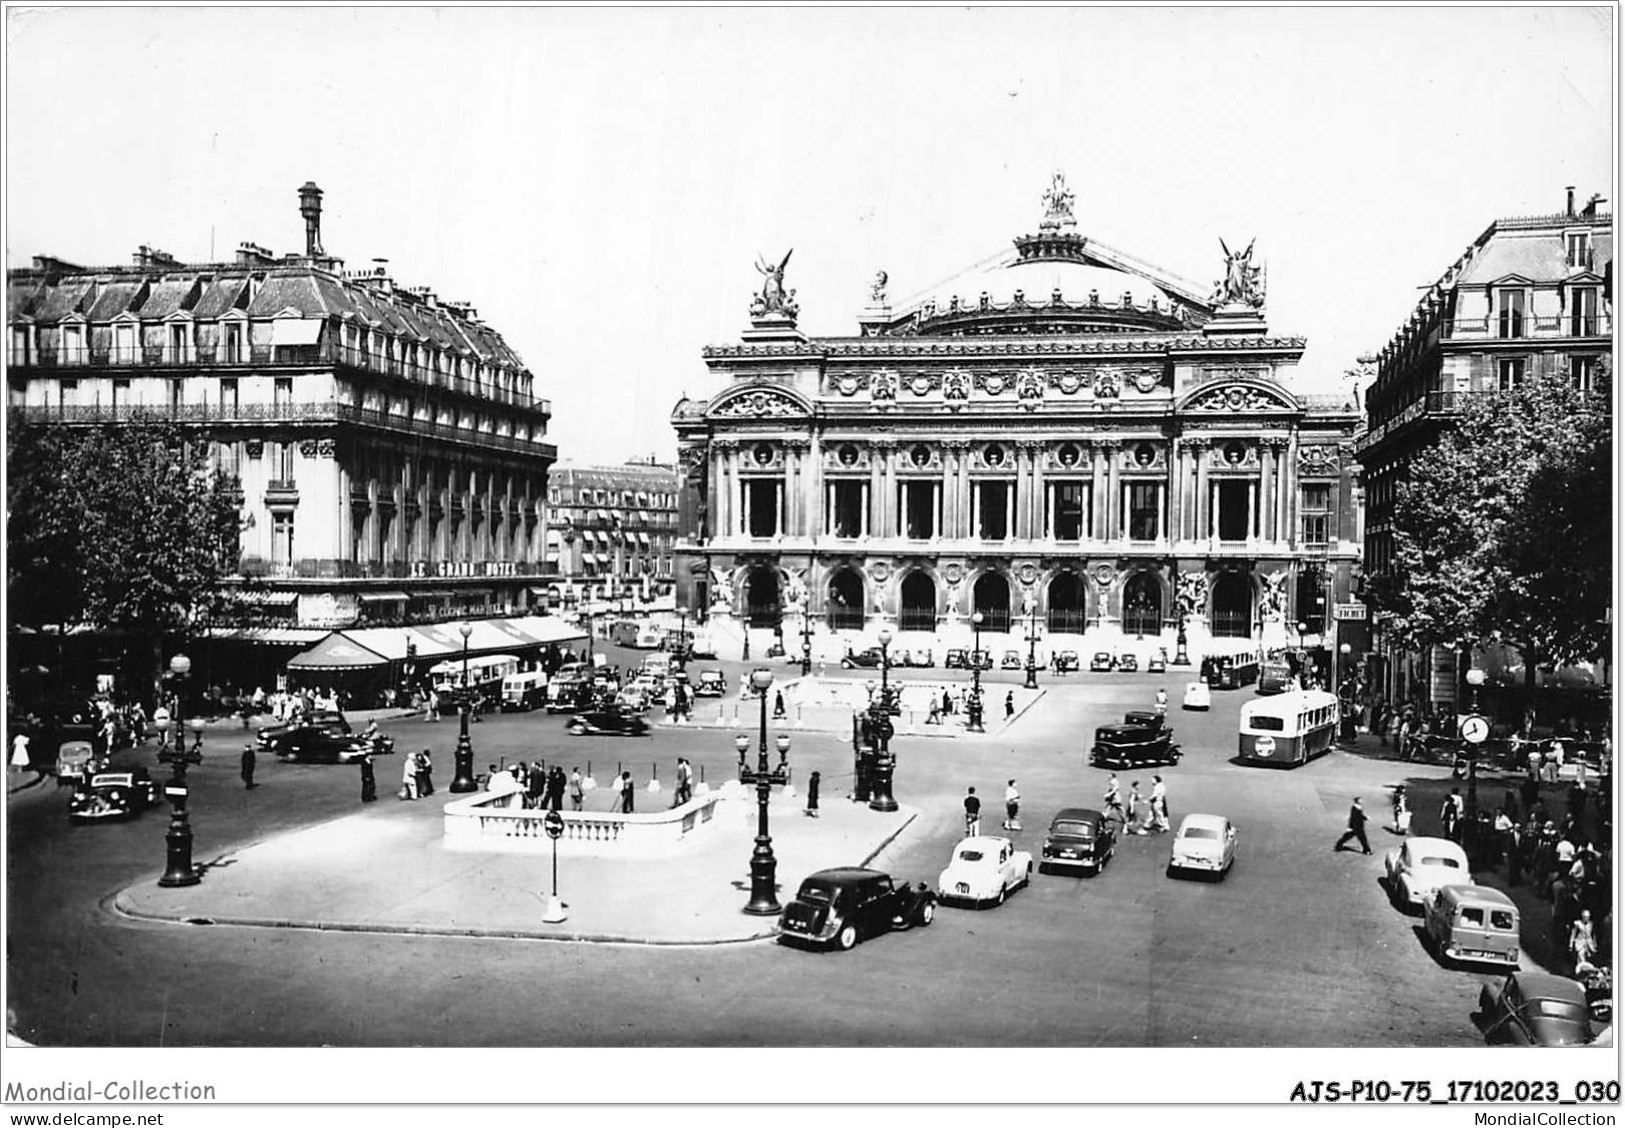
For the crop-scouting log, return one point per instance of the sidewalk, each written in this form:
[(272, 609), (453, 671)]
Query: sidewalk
[(384, 869)]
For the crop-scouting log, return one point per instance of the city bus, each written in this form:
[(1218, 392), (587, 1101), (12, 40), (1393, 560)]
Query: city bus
[(1287, 729), (1230, 671), (485, 676), (1274, 677)]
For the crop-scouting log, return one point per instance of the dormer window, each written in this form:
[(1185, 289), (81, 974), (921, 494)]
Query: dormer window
[(179, 344), (1509, 304), (73, 344), (1577, 244), (231, 342)]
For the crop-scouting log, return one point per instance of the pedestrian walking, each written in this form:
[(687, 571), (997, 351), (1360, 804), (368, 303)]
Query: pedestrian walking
[(973, 813), (934, 717), (1162, 701), (555, 788), (425, 775), (1159, 806), (1582, 943), (535, 787), (1402, 810), (578, 790), (1009, 704), (1356, 829), (247, 767), (778, 705), (812, 794), (409, 776), (627, 793), (1012, 806), (1136, 809), (685, 783), (1113, 801), (369, 780), (19, 752), (434, 705), (1450, 815)]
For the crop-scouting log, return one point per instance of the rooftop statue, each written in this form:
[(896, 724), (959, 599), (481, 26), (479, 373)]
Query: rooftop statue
[(1057, 204), (1243, 282), (773, 298), (877, 291)]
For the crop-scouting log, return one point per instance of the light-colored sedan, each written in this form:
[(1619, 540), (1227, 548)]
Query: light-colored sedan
[(1418, 867), (984, 869), (1197, 696), (1204, 844)]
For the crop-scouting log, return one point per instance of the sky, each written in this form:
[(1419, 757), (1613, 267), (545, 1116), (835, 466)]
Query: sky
[(598, 183)]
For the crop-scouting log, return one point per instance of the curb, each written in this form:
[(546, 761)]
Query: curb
[(119, 905)]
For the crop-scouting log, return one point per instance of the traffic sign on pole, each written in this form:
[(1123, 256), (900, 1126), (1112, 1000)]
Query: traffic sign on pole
[(1349, 612)]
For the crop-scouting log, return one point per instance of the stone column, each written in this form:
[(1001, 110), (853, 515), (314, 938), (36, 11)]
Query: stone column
[(1289, 502), (1204, 517), (1266, 490), (955, 471), (1097, 491), (1162, 513), (1252, 512), (889, 524), (813, 490), (1114, 491), (1040, 526), (1174, 494)]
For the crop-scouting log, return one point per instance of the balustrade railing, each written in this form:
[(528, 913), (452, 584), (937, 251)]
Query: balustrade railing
[(1067, 621), (917, 619), (492, 390), (1508, 328)]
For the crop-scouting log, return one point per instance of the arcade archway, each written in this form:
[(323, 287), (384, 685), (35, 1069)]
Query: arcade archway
[(991, 597), (844, 605), (917, 606), (1142, 605), (1067, 610), (1232, 614), (763, 597)]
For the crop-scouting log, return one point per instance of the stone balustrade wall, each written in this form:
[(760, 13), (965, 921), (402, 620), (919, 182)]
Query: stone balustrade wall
[(499, 822)]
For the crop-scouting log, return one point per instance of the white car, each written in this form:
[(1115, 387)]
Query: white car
[(1205, 844), (1418, 867), (1197, 696), (984, 869)]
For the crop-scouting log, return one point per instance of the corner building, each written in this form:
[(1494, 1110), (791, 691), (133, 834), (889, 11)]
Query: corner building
[(1067, 434)]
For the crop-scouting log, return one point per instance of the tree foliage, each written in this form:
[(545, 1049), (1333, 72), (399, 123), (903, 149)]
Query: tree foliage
[(121, 527), (1504, 528)]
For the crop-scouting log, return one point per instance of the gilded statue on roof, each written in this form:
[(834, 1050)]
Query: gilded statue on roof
[(1243, 283)]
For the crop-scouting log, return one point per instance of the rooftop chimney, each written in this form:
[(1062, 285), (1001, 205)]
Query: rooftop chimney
[(1592, 204), (310, 206), (1569, 211)]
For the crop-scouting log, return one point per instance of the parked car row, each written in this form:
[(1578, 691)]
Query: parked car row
[(1470, 925)]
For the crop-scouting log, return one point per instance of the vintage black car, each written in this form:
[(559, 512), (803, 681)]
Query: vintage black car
[(1128, 664), (607, 722), (956, 659), (1079, 838), (1067, 662), (839, 907), (870, 658), (1142, 738), (1102, 663), (113, 795), (319, 744), (327, 720), (1531, 1008)]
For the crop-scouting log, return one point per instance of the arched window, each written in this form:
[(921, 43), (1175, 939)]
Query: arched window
[(763, 606)]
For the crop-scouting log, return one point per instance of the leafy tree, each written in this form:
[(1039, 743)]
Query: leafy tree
[(1503, 530), (125, 528)]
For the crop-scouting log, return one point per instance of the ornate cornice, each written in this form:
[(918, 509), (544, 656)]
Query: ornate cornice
[(891, 347)]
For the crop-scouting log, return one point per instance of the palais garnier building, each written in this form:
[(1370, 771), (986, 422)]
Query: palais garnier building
[(1062, 438)]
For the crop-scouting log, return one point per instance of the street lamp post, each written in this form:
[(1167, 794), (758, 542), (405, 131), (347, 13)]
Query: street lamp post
[(880, 791), (463, 756), (1032, 644), (974, 723), (1181, 654), (763, 866), (682, 638), (178, 869), (1475, 679), (806, 636)]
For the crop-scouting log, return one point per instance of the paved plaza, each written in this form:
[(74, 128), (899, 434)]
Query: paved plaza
[(396, 941)]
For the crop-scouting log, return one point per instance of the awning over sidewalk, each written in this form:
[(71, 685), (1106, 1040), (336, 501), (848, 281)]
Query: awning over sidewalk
[(270, 636), (336, 652), (378, 646)]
